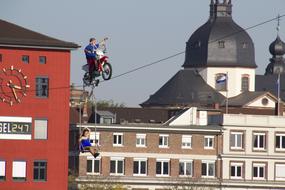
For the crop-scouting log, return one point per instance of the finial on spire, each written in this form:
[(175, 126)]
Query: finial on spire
[(278, 23)]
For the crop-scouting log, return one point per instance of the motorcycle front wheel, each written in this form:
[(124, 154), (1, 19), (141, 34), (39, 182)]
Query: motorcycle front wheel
[(107, 71)]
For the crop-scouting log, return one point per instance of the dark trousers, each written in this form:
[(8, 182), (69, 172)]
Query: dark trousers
[(93, 65)]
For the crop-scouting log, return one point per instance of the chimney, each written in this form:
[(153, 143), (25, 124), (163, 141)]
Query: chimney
[(281, 109)]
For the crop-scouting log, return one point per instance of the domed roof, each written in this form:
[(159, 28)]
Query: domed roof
[(220, 42), (277, 47)]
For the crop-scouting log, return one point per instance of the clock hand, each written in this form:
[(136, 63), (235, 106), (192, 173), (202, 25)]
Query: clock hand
[(16, 87), (14, 93)]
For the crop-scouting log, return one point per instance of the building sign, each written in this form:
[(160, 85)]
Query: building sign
[(19, 128)]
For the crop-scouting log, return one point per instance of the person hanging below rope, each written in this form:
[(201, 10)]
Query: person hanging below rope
[(85, 145)]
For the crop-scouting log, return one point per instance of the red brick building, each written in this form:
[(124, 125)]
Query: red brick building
[(150, 155), (34, 107)]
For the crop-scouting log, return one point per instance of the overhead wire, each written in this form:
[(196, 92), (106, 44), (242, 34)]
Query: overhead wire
[(169, 57)]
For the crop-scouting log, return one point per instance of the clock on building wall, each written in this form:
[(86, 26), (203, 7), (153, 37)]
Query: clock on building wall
[(13, 85)]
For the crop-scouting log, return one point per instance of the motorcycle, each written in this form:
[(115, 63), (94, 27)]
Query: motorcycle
[(104, 69)]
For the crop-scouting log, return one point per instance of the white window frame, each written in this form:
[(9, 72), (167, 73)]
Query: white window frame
[(236, 165), (93, 136), (38, 126), (185, 162), (186, 142), (162, 161), (165, 141), (19, 170), (117, 139), (235, 147), (208, 162), (139, 138), (259, 165), (139, 160), (280, 178), (258, 135), (117, 159), (3, 170), (207, 140), (282, 135), (91, 158)]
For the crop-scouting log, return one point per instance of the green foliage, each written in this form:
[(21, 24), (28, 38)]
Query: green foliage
[(104, 186), (108, 104)]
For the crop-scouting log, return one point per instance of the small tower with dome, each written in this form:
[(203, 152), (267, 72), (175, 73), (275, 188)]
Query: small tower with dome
[(277, 50)]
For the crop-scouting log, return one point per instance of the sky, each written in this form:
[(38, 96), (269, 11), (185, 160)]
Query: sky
[(140, 32)]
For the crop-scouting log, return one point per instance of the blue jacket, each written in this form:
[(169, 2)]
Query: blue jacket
[(90, 51)]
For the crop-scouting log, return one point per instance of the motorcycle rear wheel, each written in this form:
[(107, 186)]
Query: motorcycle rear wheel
[(107, 71)]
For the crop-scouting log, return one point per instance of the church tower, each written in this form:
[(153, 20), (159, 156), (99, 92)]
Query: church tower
[(219, 64), (220, 49)]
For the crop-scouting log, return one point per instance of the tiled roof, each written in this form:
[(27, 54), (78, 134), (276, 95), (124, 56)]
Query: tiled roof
[(14, 35), (186, 88)]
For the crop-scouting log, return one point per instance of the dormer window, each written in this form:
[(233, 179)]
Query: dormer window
[(244, 45), (221, 44), (196, 44)]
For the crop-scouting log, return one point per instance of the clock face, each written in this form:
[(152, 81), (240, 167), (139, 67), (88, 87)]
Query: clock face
[(13, 85)]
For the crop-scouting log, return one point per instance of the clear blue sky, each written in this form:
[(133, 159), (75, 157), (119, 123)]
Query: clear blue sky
[(140, 32)]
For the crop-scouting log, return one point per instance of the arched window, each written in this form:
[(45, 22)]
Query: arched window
[(221, 82), (245, 83)]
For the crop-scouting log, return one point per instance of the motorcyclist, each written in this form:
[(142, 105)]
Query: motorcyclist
[(91, 57)]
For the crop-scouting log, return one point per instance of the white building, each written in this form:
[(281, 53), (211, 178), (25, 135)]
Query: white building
[(253, 155)]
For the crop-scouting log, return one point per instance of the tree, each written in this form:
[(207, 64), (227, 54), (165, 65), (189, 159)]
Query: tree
[(109, 103)]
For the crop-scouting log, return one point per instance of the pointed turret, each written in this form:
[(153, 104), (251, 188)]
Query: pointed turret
[(277, 50)]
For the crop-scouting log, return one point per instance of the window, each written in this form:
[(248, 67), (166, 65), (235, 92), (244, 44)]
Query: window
[(208, 142), (94, 138), (236, 170), (163, 141), (264, 101), (185, 167), (236, 140), (19, 170), (140, 166), (25, 59), (186, 141), (259, 171), (41, 129), (40, 170), (279, 171), (280, 142), (244, 83), (141, 140), (221, 82), (42, 59), (107, 120), (93, 165), (259, 141), (162, 167), (117, 166), (208, 168), (42, 86), (2, 170), (118, 139), (221, 44)]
